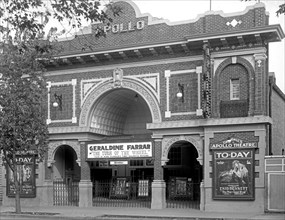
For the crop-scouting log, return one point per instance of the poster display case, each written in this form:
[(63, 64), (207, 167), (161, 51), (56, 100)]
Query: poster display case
[(180, 187), (143, 188), (233, 169), (120, 188), (233, 177), (25, 169)]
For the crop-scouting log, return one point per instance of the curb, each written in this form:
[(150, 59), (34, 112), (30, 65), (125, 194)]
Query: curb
[(112, 217)]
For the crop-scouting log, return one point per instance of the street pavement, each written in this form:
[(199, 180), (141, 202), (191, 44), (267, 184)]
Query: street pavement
[(114, 213)]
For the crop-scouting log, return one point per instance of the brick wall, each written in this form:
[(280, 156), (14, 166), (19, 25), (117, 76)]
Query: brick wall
[(278, 117), (233, 71)]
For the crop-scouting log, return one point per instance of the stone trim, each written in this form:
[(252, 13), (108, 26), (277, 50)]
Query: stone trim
[(127, 83), (53, 146), (167, 142), (251, 79)]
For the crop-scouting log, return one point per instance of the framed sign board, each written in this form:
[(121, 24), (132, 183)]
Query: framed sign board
[(25, 169), (119, 188), (233, 174)]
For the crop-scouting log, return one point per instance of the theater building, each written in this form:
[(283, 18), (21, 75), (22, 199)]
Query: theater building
[(159, 114)]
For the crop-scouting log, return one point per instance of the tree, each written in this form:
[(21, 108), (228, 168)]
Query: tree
[(23, 125), (280, 11)]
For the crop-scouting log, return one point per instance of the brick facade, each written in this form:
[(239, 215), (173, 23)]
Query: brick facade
[(123, 88)]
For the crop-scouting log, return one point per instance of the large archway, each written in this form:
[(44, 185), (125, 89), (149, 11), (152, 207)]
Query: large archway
[(99, 92), (120, 112), (120, 115)]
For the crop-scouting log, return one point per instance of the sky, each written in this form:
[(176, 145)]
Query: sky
[(181, 10)]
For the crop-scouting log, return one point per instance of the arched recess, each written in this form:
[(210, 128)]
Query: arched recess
[(251, 79), (127, 83), (167, 142), (53, 146)]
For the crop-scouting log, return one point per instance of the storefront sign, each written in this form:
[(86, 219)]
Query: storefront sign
[(25, 169), (233, 143), (233, 174), (119, 150)]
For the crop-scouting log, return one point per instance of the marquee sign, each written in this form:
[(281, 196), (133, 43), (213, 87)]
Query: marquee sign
[(119, 150)]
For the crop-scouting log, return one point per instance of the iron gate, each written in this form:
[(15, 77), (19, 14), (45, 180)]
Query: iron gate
[(132, 194), (182, 194), (65, 193)]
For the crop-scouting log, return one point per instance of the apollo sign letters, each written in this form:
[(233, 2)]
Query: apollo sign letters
[(119, 150), (124, 27), (233, 143)]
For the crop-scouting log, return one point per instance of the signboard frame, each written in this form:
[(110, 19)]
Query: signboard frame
[(233, 174), (26, 174), (119, 150)]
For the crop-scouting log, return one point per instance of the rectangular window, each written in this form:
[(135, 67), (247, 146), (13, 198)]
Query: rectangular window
[(234, 89)]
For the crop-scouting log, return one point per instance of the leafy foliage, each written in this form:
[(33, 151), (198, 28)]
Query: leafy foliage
[(22, 94), (280, 11), (22, 82), (25, 20)]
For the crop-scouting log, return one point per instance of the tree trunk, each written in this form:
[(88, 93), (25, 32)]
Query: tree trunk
[(17, 174)]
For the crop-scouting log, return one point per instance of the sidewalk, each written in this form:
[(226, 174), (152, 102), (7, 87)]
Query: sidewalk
[(140, 213)]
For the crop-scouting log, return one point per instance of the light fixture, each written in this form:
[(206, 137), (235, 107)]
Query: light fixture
[(180, 94), (57, 102)]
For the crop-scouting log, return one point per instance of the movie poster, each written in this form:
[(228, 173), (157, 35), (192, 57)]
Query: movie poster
[(233, 174), (25, 169)]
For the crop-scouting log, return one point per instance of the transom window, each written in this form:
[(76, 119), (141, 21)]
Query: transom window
[(234, 89)]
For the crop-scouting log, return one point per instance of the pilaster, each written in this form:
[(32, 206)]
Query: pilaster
[(158, 200), (85, 184), (260, 81)]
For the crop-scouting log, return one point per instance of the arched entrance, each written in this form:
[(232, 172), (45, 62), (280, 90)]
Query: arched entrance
[(183, 174), (120, 116), (65, 166), (66, 176)]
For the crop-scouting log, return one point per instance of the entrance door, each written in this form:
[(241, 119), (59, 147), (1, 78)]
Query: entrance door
[(66, 176), (183, 174)]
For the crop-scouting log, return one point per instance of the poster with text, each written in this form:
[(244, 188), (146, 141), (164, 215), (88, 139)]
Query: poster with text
[(233, 174), (25, 169)]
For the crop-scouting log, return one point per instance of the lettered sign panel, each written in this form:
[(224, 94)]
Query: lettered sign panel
[(119, 150)]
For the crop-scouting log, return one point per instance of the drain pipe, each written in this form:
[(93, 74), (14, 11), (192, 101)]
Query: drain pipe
[(271, 79)]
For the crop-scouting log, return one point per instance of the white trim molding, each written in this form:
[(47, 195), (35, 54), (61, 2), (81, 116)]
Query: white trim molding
[(167, 75), (73, 83)]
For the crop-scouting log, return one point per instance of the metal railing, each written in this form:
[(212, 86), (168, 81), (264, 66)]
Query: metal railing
[(183, 196), (132, 194), (65, 193)]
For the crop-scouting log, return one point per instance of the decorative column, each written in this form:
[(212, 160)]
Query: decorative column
[(261, 82), (85, 184), (158, 200)]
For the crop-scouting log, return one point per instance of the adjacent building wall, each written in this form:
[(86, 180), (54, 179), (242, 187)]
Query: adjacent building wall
[(278, 116)]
